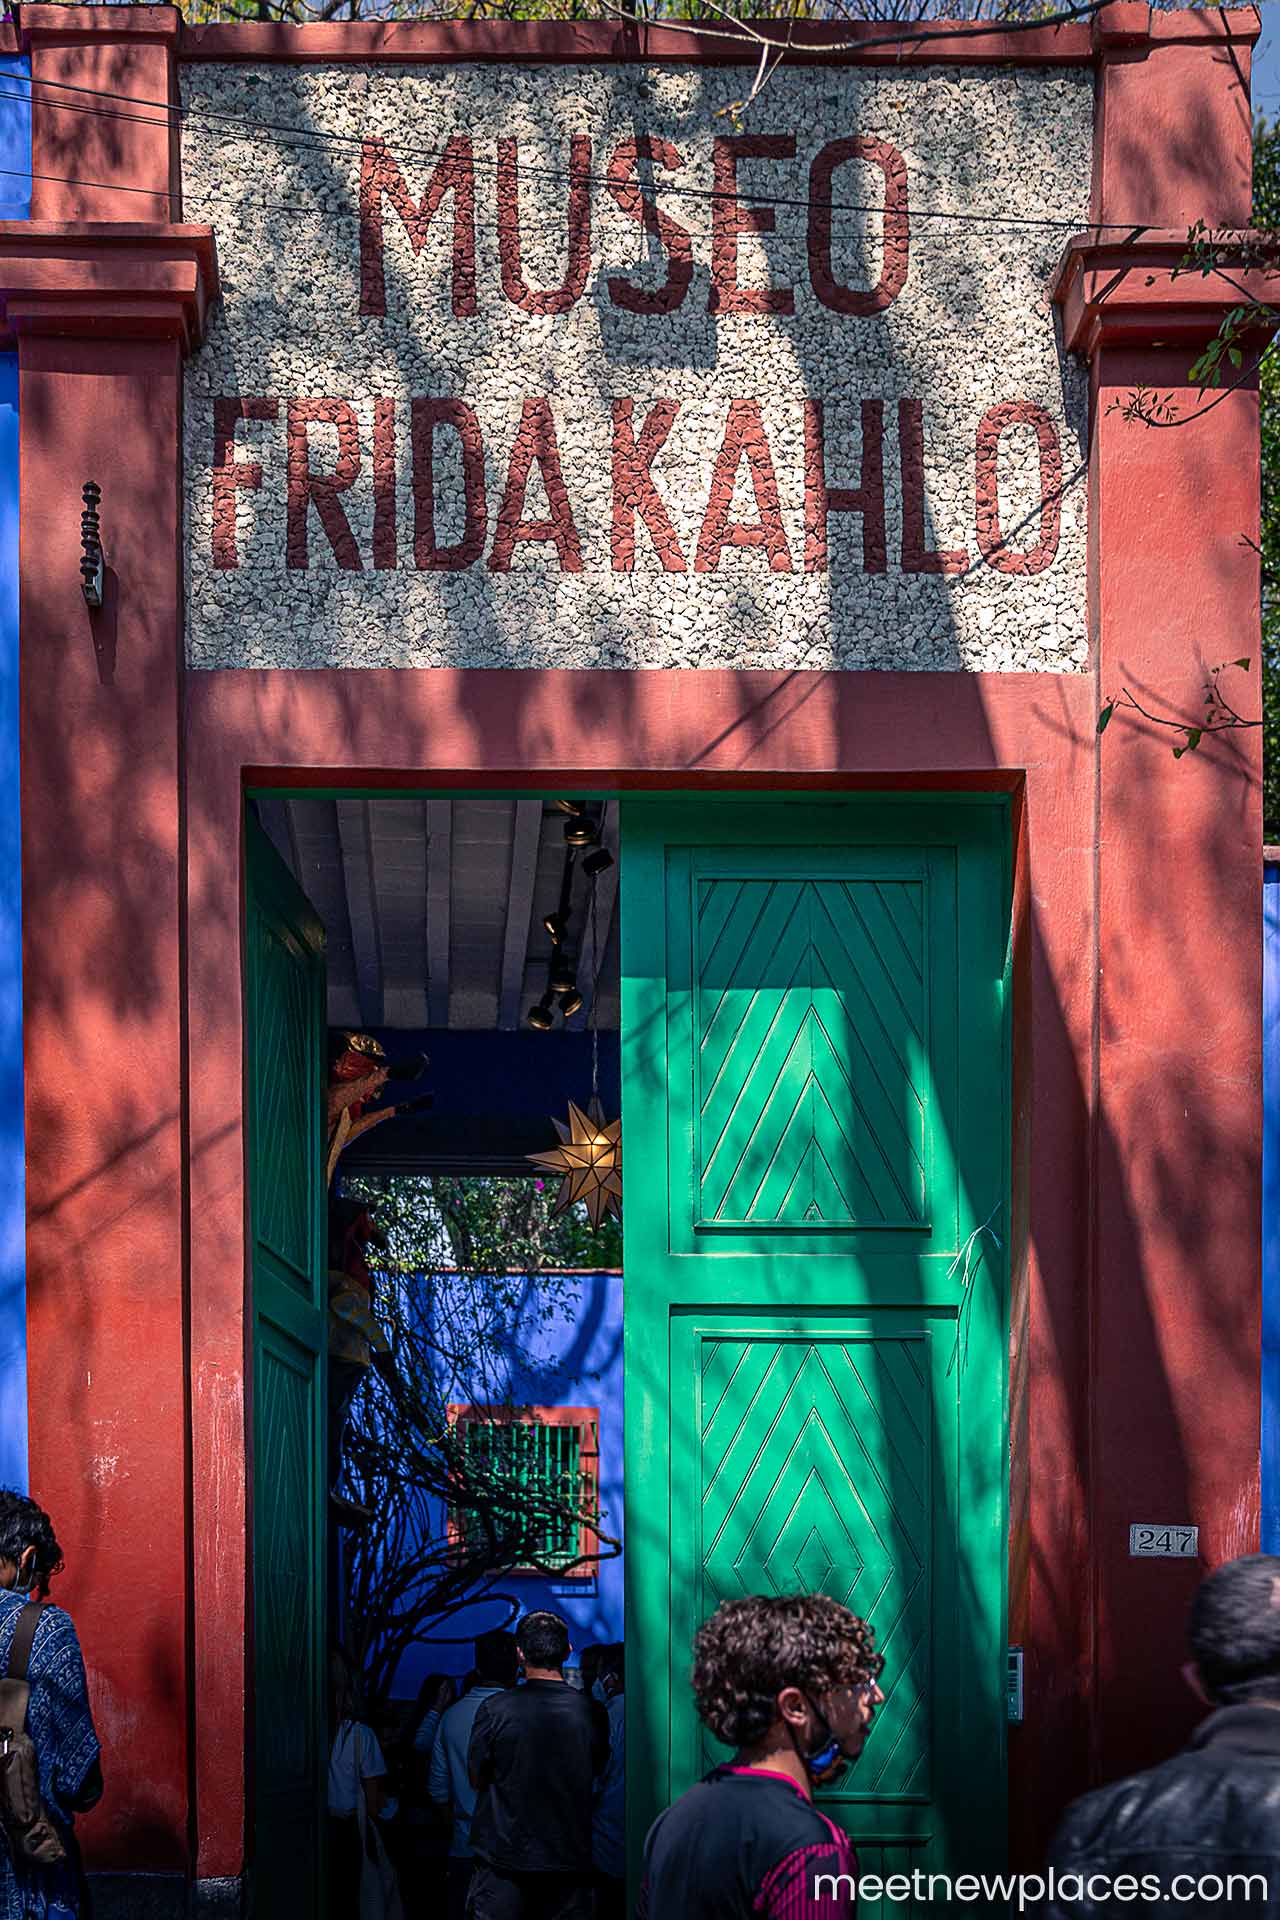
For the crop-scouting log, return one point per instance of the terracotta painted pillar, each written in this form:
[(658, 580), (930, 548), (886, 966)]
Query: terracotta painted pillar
[(1174, 1279), (102, 314)]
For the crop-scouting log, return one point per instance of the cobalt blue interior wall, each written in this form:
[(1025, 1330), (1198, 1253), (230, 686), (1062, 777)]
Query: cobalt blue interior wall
[(1271, 1208), (15, 204), (575, 1360)]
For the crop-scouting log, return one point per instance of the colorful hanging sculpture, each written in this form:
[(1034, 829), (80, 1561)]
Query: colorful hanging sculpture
[(358, 1073)]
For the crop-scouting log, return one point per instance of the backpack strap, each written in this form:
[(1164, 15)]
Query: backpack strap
[(23, 1635)]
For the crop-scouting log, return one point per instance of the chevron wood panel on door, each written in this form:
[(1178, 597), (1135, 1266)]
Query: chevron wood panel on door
[(815, 1476), (811, 1042)]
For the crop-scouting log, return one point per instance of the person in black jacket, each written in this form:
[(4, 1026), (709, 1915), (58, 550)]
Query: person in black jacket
[(534, 1753), (1199, 1834)]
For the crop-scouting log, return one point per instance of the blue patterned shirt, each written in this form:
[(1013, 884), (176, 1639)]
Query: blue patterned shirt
[(61, 1726)]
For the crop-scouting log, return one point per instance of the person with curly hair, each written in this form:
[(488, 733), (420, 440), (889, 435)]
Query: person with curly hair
[(58, 1717), (793, 1684)]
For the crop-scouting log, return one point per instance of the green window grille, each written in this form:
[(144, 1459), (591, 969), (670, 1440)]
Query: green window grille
[(536, 1469)]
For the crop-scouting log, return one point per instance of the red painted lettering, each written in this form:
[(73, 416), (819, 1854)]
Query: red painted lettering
[(744, 434), (897, 226), (428, 555), (321, 490), (821, 500), (634, 490), (578, 218), (995, 551), (536, 441), (230, 474), (384, 482), (658, 226), (379, 176), (916, 556), (729, 218)]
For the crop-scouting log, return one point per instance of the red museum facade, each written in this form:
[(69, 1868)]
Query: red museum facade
[(1134, 938)]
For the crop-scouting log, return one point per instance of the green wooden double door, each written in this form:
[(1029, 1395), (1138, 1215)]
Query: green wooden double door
[(815, 1127)]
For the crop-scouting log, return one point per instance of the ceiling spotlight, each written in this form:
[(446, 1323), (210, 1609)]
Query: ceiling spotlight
[(582, 832), (555, 925), (563, 976), (570, 1002), (541, 1017), (570, 806), (598, 861)]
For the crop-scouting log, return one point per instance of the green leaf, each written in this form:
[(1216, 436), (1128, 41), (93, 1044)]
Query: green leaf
[(1104, 718), (1178, 752), (1194, 737), (1246, 663)]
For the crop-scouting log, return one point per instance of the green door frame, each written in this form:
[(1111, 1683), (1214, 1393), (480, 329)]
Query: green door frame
[(284, 1061)]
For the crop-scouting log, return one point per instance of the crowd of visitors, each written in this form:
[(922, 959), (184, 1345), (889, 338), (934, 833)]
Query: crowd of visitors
[(523, 1780)]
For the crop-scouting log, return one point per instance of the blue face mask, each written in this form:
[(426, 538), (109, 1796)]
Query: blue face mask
[(828, 1762)]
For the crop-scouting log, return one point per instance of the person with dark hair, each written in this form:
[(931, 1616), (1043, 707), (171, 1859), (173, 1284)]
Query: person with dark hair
[(1213, 1810), (59, 1720), (447, 1782), (793, 1684), (533, 1756)]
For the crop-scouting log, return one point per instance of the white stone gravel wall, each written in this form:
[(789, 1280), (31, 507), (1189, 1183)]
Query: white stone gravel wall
[(971, 329)]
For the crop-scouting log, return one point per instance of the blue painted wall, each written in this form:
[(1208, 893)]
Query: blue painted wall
[(15, 204), (575, 1360), (1271, 1208)]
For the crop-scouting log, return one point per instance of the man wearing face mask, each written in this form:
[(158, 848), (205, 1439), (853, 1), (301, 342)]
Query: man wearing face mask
[(792, 1684)]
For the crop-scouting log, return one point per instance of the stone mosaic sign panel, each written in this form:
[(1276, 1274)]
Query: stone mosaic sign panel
[(574, 367)]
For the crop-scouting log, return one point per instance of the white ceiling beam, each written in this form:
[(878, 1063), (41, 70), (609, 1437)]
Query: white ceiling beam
[(362, 906), (524, 874), (398, 837), (606, 899), (439, 861)]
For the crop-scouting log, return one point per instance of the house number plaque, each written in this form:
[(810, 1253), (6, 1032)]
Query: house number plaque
[(1154, 1541)]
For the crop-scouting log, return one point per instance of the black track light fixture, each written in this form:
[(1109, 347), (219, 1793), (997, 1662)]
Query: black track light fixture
[(563, 977), (570, 1002), (582, 832), (573, 807), (555, 924), (540, 1017), (598, 861)]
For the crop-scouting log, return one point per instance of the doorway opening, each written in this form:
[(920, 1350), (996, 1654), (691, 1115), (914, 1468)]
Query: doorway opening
[(450, 966)]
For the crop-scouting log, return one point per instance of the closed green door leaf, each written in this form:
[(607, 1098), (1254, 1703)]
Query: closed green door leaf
[(815, 1116), (285, 1010)]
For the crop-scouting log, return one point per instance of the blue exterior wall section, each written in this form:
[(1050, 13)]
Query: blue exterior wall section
[(1271, 1208), (573, 1359), (15, 204)]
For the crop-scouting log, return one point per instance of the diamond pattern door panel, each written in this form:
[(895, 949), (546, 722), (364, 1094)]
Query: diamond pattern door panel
[(815, 1475), (285, 1001), (811, 1038)]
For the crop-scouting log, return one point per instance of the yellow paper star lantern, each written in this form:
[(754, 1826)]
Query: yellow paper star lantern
[(589, 1161)]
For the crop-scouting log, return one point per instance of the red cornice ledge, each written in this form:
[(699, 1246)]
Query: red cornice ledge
[(1136, 293), (109, 279)]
